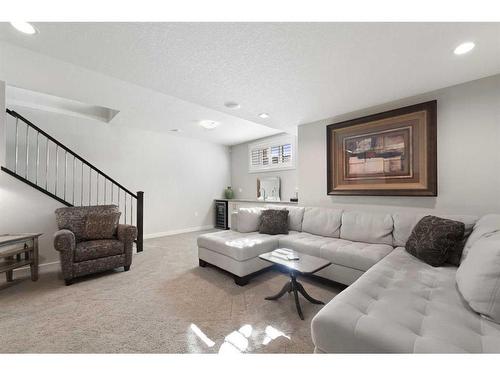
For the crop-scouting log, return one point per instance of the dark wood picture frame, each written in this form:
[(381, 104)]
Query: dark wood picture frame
[(420, 119)]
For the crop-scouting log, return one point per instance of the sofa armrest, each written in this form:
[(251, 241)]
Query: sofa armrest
[(126, 233), (234, 221), (64, 241)]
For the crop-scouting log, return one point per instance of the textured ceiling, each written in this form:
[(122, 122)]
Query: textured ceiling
[(296, 72)]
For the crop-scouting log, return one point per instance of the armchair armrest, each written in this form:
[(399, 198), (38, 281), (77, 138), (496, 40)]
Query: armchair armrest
[(65, 243), (64, 240), (126, 233)]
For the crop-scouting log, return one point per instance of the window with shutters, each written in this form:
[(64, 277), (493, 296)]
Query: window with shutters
[(272, 154)]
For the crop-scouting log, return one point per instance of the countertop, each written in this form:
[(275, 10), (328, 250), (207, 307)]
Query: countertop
[(249, 200)]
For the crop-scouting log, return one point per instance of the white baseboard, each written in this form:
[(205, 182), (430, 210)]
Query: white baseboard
[(177, 231)]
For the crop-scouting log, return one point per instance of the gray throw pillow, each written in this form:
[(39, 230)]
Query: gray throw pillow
[(101, 226), (434, 238), (274, 222)]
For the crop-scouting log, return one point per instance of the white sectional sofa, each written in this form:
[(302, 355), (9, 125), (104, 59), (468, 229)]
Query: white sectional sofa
[(396, 303), (353, 241)]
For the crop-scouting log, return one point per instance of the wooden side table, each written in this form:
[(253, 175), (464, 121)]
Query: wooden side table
[(12, 249)]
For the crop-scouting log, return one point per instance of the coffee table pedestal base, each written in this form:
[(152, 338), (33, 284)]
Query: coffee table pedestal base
[(293, 286)]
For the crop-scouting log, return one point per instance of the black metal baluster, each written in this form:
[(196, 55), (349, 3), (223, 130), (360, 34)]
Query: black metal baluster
[(37, 156), (97, 193), (81, 188), (57, 168), (27, 150), (17, 146), (73, 183), (47, 157), (90, 186), (118, 198), (65, 172)]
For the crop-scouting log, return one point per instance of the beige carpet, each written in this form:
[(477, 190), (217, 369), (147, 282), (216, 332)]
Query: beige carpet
[(164, 304)]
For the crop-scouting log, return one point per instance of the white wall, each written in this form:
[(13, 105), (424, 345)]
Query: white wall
[(244, 184), (179, 176), (2, 122), (468, 153)]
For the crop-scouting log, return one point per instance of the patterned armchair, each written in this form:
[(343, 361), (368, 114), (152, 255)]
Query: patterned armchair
[(81, 255)]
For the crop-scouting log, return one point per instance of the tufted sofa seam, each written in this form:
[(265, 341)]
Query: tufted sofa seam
[(355, 331)]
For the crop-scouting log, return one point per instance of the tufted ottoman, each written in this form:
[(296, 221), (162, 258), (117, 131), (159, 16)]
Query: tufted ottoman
[(402, 305)]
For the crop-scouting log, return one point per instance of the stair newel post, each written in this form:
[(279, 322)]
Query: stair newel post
[(140, 217)]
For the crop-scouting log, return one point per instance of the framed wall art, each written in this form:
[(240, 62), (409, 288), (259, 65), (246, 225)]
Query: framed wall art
[(389, 153)]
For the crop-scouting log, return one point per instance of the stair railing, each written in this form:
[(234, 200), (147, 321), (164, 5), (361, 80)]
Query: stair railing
[(44, 163)]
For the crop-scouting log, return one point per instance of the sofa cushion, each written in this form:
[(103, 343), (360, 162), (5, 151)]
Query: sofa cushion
[(478, 277), (403, 305), (239, 246), (304, 243), (367, 227), (322, 221), (357, 255), (88, 250), (249, 219), (404, 222), (273, 222), (295, 216), (433, 239)]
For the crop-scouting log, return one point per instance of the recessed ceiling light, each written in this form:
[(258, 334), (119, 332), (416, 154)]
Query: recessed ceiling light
[(264, 115), (208, 124), (24, 27), (464, 48), (232, 105)]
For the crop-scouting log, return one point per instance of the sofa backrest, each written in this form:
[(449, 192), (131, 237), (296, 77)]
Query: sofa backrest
[(405, 221), (488, 225), (74, 218), (322, 221), (248, 219), (372, 227), (367, 227), (295, 216)]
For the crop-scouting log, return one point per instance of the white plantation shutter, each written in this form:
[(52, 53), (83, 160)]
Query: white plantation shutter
[(272, 154)]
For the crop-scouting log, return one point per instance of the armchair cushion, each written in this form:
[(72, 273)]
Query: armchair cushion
[(88, 250), (74, 218), (101, 226)]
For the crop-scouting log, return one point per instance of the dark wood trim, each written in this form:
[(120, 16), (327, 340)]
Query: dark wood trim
[(52, 139), (431, 110), (14, 174)]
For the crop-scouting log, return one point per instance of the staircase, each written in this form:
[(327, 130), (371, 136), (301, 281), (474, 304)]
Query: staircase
[(39, 160)]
